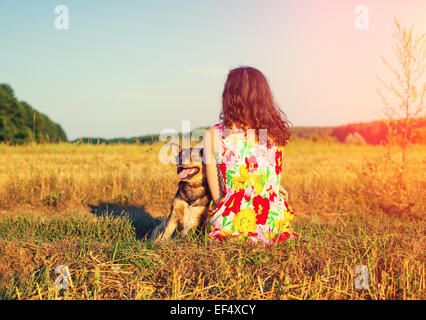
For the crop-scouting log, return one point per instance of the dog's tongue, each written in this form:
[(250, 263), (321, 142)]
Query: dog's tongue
[(185, 173)]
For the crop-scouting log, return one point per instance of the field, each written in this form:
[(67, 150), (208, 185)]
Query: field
[(89, 207)]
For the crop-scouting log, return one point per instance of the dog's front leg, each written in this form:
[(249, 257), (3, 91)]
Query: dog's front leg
[(169, 228), (193, 217), (175, 218)]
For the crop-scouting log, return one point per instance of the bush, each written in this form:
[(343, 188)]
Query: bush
[(355, 138)]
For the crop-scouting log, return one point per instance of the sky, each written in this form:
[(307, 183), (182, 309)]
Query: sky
[(127, 68)]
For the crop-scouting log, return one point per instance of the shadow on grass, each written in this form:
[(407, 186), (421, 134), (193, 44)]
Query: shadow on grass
[(140, 218)]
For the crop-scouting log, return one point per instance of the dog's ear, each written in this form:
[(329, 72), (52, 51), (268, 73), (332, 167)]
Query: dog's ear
[(175, 149)]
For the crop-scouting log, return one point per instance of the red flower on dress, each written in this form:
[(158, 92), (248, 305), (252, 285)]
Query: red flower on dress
[(248, 193), (261, 207), (251, 164), (222, 170), (282, 237), (228, 154), (220, 237), (278, 161), (233, 204), (271, 193), (288, 207)]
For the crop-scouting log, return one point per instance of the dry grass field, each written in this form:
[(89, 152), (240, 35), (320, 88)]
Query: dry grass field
[(89, 207)]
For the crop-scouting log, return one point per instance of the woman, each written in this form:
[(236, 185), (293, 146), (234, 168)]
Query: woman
[(243, 156)]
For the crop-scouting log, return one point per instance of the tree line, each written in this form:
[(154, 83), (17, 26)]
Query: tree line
[(20, 123), (383, 132)]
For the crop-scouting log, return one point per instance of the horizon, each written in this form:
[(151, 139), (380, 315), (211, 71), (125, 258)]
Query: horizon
[(204, 127), (131, 68)]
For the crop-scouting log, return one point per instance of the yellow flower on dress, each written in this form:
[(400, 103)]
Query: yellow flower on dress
[(288, 216), (245, 179), (281, 225), (269, 235), (240, 181), (256, 181), (245, 221), (242, 236), (225, 232)]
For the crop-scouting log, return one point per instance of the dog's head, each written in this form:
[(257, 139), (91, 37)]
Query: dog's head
[(189, 162)]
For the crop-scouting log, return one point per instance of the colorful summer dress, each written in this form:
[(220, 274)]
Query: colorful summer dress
[(252, 209)]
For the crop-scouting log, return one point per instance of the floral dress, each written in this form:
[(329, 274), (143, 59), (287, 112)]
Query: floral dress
[(252, 209)]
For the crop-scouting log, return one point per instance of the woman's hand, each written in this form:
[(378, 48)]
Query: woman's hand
[(284, 193)]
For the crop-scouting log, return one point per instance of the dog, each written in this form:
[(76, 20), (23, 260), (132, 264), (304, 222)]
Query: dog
[(191, 202)]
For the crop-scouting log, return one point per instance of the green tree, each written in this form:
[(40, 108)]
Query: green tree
[(20, 123)]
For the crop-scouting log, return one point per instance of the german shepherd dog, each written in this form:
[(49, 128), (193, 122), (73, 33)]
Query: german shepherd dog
[(191, 202)]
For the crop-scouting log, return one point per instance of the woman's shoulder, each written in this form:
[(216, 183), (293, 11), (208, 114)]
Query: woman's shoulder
[(217, 131), (214, 130), (213, 134)]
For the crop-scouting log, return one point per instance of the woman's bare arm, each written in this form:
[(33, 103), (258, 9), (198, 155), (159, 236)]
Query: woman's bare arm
[(211, 168)]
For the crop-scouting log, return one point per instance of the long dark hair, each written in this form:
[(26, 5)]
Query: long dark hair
[(247, 103)]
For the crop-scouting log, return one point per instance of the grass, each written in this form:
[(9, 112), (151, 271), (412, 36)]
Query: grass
[(90, 207)]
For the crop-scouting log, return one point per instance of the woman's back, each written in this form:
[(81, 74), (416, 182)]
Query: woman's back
[(253, 208)]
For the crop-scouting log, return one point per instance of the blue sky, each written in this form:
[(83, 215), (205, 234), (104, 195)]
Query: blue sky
[(128, 68)]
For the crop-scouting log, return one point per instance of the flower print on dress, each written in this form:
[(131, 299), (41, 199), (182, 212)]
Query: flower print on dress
[(245, 221), (233, 204), (261, 207), (251, 164), (252, 209), (278, 161)]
